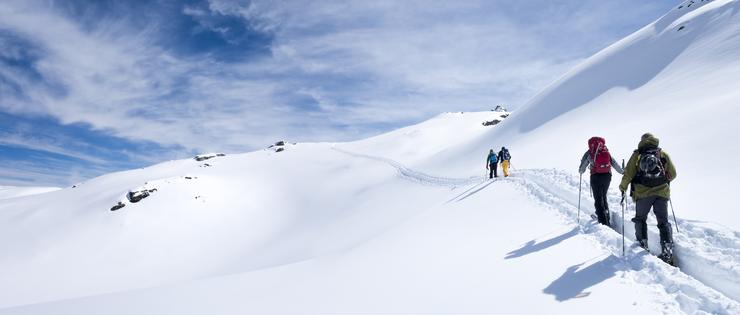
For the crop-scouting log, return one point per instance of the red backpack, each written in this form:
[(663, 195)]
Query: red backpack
[(601, 160)]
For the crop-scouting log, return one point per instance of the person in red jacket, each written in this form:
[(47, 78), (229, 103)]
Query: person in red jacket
[(600, 161)]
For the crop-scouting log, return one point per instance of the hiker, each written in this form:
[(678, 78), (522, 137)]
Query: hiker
[(492, 164), (650, 171), (598, 159), (505, 159)]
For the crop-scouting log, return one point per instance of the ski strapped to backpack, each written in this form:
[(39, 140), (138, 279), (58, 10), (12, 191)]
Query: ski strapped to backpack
[(651, 170), (599, 155)]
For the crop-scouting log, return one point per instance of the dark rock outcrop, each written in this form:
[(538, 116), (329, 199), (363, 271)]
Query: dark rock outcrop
[(118, 206), (491, 123), (278, 146), (136, 196), (204, 157)]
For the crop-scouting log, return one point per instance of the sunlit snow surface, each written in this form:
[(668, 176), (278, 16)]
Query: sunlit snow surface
[(406, 222)]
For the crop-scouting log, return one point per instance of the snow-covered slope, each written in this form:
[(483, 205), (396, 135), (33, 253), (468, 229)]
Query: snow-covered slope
[(7, 192), (406, 222), (676, 78)]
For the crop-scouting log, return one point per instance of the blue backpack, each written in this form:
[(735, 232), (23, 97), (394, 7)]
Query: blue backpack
[(492, 158)]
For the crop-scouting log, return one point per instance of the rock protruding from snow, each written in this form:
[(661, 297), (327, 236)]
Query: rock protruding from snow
[(278, 146), (203, 157), (136, 196), (119, 205), (500, 109), (495, 121), (491, 122)]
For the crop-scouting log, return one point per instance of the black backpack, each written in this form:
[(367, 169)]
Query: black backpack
[(505, 156), (651, 168)]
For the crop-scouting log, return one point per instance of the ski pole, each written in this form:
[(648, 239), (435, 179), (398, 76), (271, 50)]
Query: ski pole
[(580, 182), (674, 215), (623, 206)]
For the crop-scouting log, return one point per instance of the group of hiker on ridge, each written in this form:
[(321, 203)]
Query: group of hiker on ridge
[(493, 159), (648, 172)]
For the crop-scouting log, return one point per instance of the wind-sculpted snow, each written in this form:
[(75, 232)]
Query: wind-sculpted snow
[(706, 280)]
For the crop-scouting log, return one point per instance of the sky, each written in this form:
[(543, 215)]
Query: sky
[(89, 87)]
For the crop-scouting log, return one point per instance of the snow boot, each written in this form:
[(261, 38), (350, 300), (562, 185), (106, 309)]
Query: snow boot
[(643, 244), (666, 254)]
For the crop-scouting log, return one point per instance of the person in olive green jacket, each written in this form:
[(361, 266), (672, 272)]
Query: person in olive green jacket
[(650, 171)]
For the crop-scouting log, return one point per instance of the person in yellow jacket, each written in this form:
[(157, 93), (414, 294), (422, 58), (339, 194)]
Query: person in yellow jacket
[(505, 159), (650, 171)]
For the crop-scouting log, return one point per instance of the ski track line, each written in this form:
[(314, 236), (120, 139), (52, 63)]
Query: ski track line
[(707, 279)]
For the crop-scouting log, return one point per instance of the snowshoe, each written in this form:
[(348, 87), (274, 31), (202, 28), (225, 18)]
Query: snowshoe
[(596, 218), (667, 253)]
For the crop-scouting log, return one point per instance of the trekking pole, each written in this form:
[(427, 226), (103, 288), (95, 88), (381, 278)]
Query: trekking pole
[(674, 215), (623, 206), (580, 182)]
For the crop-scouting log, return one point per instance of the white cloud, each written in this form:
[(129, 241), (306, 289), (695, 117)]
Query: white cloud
[(354, 64)]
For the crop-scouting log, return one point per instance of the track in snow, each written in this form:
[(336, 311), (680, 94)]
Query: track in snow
[(415, 176), (709, 259), (711, 256)]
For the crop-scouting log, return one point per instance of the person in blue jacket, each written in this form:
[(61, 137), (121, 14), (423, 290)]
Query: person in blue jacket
[(492, 164)]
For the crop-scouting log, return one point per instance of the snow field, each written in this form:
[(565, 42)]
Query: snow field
[(457, 255), (405, 222), (7, 192)]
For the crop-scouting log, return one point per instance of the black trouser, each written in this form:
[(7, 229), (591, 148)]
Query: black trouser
[(600, 186), (660, 208), (494, 170)]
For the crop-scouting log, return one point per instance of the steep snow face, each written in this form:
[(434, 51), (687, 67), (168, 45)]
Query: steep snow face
[(676, 78)]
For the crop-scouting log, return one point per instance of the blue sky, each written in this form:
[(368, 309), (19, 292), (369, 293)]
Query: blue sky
[(89, 87)]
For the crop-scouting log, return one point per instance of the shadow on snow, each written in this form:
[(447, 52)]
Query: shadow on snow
[(532, 246), (575, 279)]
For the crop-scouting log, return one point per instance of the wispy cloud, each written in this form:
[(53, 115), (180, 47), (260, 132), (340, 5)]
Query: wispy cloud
[(234, 75)]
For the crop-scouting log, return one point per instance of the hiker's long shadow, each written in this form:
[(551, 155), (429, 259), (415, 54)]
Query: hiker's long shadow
[(575, 280), (532, 246)]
